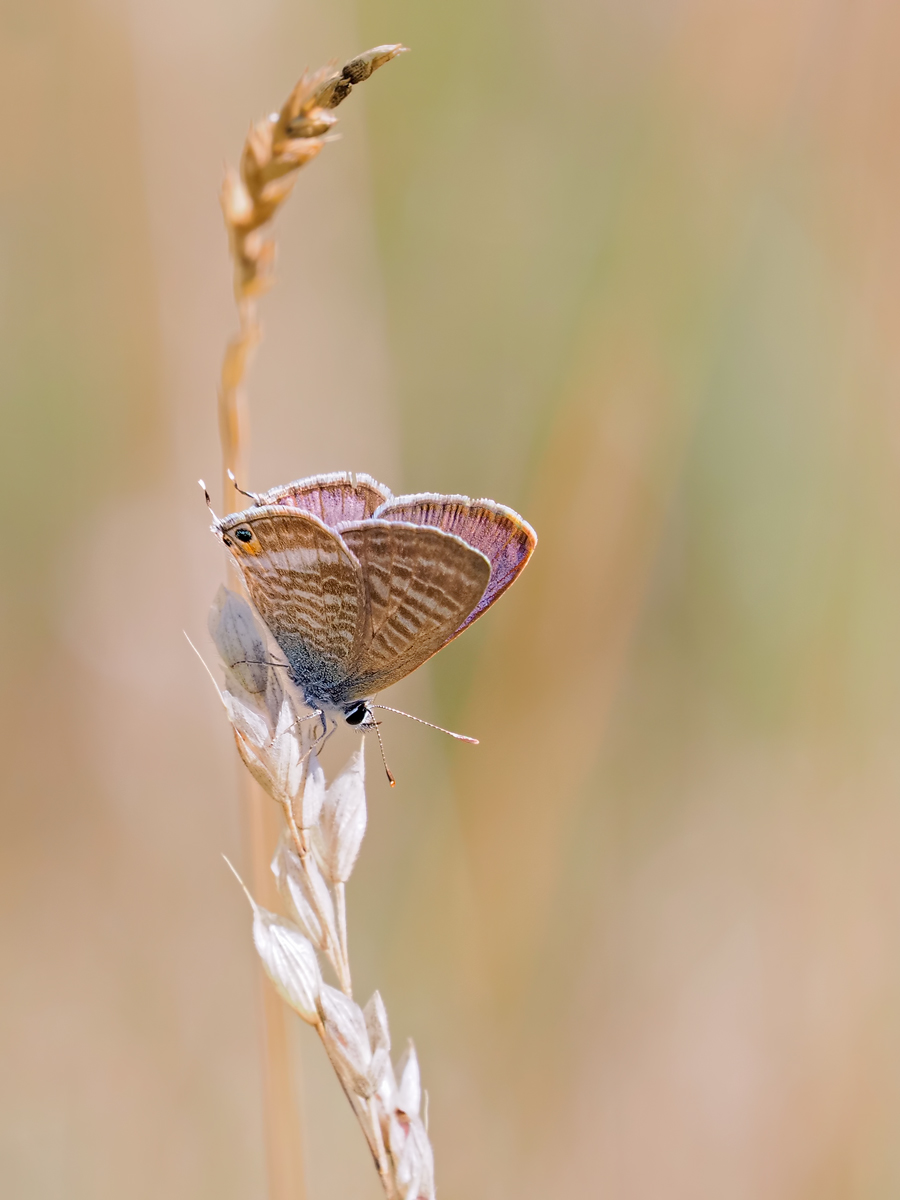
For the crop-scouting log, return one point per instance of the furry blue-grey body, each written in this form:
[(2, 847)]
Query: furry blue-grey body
[(323, 681)]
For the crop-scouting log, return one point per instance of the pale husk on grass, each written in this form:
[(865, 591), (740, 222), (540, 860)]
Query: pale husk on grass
[(324, 824)]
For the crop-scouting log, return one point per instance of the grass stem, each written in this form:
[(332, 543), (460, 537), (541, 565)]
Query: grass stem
[(273, 152)]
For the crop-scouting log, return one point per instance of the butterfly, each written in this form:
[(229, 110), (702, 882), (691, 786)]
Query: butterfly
[(359, 588)]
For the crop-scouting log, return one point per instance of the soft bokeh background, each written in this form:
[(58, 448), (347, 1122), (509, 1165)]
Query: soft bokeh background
[(633, 269)]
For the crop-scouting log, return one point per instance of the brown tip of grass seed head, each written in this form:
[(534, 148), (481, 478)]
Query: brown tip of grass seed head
[(361, 67), (281, 144), (337, 88)]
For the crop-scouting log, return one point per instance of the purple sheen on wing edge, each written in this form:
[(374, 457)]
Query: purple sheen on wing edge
[(332, 498), (501, 535)]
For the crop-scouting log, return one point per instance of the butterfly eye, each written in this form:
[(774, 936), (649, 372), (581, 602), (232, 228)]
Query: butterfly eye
[(243, 535), (356, 714)]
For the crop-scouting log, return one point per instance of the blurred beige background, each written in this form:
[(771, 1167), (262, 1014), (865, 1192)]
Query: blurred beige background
[(633, 269)]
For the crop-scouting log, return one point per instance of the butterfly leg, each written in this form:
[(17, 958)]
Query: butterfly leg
[(322, 737), (315, 715), (260, 662)]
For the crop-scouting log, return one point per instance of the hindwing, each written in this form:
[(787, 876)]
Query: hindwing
[(506, 540), (332, 498), (421, 583)]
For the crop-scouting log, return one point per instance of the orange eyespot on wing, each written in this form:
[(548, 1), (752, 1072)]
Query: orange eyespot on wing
[(240, 541)]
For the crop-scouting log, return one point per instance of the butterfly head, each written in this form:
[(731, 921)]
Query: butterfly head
[(359, 714)]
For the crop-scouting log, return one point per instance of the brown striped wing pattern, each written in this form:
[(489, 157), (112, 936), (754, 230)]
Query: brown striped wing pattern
[(307, 587), (421, 583), (359, 588), (506, 540), (331, 498)]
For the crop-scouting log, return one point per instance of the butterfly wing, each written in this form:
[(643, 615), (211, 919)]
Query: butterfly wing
[(421, 583), (331, 498), (307, 587), (506, 540)]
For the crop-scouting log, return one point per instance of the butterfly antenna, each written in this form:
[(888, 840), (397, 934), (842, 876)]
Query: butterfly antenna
[(208, 501), (234, 483), (387, 770), (460, 737)]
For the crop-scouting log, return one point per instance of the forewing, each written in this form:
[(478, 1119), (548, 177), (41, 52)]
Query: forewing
[(421, 584), (306, 585), (331, 498), (506, 540)]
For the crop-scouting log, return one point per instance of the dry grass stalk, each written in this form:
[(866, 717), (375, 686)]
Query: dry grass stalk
[(275, 149)]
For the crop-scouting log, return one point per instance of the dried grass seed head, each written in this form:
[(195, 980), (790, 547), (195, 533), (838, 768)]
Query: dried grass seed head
[(306, 895), (290, 962), (379, 1039), (408, 1098), (278, 761), (346, 1038), (243, 647), (274, 150), (413, 1158), (309, 810), (342, 824), (272, 737)]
